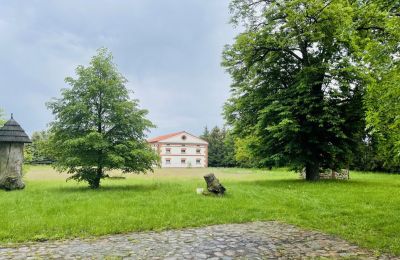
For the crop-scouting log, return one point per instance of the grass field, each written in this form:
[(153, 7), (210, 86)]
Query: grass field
[(364, 210)]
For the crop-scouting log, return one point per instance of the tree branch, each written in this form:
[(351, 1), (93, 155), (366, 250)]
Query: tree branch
[(371, 28), (287, 50)]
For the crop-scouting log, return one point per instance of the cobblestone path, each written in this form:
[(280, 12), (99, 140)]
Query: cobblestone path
[(258, 240)]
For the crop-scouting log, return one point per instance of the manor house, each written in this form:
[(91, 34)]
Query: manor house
[(180, 150)]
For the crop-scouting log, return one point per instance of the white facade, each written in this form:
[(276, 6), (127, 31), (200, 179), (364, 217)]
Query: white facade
[(181, 150)]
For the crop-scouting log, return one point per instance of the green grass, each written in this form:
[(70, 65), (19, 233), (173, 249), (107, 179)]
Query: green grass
[(364, 210)]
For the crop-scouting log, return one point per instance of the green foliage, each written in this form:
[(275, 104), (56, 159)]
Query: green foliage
[(2, 120), (229, 150), (299, 71), (221, 147), (37, 149), (97, 126), (244, 151), (367, 158), (383, 117), (28, 154), (215, 139)]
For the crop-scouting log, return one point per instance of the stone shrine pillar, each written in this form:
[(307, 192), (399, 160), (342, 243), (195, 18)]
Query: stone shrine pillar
[(12, 140)]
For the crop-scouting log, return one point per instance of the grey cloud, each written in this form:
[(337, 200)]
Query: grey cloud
[(170, 51)]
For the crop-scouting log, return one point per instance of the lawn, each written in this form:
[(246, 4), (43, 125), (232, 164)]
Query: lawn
[(364, 210)]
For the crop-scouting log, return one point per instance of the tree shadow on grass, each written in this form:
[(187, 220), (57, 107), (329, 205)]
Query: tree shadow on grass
[(303, 183), (108, 188)]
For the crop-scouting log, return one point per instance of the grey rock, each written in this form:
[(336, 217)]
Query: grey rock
[(213, 184)]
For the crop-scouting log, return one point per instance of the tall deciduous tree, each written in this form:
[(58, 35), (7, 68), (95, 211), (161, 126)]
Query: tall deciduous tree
[(97, 126), (299, 71), (383, 117)]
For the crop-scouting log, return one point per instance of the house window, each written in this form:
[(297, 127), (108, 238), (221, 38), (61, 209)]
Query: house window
[(167, 161), (198, 150), (168, 150), (183, 137), (183, 161), (183, 151), (198, 161)]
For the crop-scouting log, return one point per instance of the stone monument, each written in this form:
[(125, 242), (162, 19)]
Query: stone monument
[(12, 140)]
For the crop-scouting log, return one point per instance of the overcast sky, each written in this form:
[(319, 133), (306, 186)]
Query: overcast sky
[(169, 50)]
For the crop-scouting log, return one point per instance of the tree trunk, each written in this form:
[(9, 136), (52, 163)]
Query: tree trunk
[(312, 171), (96, 181)]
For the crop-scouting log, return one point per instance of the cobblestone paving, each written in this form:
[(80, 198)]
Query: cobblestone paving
[(258, 240)]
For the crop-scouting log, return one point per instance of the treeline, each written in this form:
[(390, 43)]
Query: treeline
[(227, 150), (36, 152), (221, 147)]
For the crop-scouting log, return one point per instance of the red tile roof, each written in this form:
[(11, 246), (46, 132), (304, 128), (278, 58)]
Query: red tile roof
[(163, 137)]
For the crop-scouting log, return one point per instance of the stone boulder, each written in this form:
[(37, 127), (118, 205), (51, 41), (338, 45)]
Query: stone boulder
[(213, 184), (12, 183)]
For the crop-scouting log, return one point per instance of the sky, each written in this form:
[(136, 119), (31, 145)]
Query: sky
[(169, 50)]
